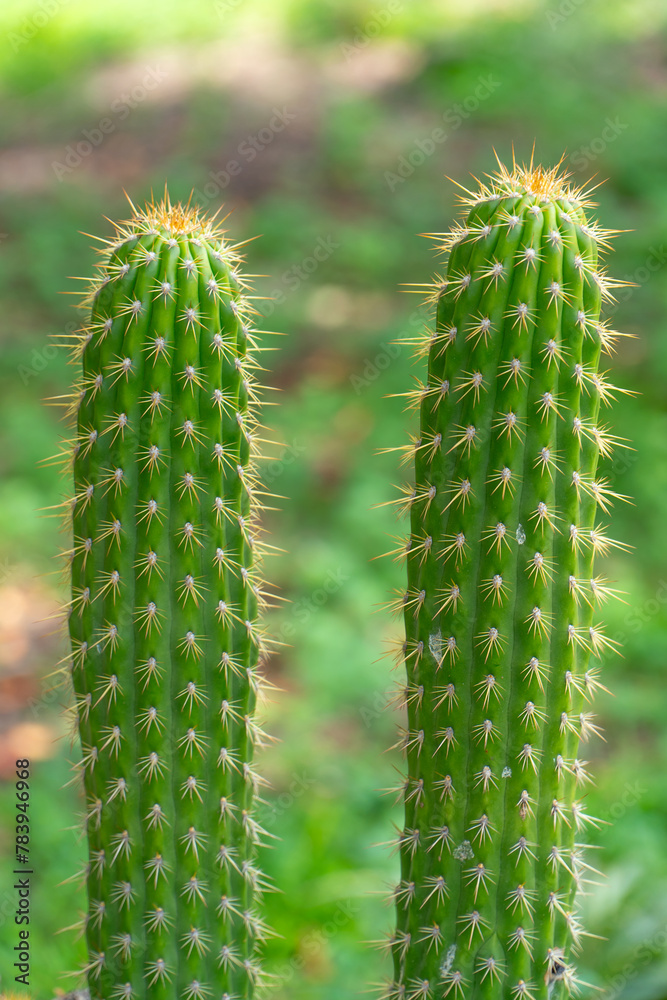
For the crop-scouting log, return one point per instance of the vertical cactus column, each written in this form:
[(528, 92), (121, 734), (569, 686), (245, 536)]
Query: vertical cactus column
[(166, 643), (501, 599)]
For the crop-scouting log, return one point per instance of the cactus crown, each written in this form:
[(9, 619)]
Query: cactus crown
[(501, 597), (172, 220), (166, 644), (528, 179)]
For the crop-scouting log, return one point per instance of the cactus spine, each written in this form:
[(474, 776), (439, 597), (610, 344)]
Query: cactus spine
[(500, 605), (166, 645)]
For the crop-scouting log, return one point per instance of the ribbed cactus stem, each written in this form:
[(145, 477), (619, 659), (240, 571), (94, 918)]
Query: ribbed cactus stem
[(164, 615), (501, 598)]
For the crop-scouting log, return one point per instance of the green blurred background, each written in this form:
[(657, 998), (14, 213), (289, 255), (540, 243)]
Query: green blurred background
[(315, 122)]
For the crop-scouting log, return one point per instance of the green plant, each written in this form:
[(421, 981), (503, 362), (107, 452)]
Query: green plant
[(501, 598), (166, 645)]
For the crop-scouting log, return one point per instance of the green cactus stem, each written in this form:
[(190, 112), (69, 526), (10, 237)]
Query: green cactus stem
[(166, 643), (501, 600)]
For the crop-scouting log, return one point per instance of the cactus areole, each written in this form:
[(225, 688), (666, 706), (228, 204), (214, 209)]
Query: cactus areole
[(163, 621), (500, 611)]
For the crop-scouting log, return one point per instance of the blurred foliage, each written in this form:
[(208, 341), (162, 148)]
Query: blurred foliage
[(186, 90)]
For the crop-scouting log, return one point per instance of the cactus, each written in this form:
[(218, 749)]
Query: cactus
[(166, 644), (501, 600)]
